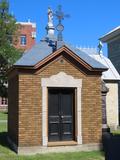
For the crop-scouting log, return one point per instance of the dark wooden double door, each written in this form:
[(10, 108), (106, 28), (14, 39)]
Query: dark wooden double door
[(61, 114)]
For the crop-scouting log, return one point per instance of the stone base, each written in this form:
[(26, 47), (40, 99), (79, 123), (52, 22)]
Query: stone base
[(41, 150)]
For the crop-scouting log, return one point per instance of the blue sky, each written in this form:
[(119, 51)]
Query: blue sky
[(89, 19)]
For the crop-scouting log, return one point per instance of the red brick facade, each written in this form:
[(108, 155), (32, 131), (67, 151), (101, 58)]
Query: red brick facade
[(28, 30)]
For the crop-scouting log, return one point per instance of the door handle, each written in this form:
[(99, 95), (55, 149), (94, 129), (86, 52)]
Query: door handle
[(62, 117)]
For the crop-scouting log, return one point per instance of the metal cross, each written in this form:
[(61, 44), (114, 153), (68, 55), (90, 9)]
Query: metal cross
[(60, 16)]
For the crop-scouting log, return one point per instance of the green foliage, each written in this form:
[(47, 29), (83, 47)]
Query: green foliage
[(8, 37)]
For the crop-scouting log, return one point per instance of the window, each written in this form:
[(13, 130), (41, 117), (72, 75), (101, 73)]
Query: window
[(23, 40), (33, 34)]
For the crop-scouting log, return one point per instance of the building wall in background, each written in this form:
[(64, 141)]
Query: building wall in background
[(114, 52), (26, 39), (114, 55), (27, 35), (112, 105)]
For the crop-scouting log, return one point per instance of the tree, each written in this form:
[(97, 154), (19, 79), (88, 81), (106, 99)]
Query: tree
[(8, 37)]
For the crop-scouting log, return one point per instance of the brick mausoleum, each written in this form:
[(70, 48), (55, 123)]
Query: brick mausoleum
[(55, 98)]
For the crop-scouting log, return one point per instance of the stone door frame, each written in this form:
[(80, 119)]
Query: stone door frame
[(60, 80)]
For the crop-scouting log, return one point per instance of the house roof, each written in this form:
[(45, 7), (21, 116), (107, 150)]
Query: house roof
[(43, 49), (111, 73), (27, 23), (35, 54), (110, 35)]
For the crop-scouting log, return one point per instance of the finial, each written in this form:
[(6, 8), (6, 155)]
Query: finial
[(60, 16), (50, 27), (100, 45), (50, 17)]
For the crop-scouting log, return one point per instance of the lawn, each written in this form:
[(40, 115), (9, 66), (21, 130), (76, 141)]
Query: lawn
[(3, 127), (7, 154), (3, 115)]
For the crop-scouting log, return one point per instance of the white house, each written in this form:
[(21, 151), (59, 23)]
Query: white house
[(111, 77)]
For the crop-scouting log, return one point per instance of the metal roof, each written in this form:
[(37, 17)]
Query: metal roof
[(27, 23), (33, 56), (87, 58), (111, 73), (110, 35), (43, 49)]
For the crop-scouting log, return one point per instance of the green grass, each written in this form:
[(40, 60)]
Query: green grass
[(7, 154), (116, 132), (56, 156), (3, 115), (3, 127)]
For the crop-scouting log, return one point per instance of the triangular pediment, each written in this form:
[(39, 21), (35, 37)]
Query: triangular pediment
[(71, 55)]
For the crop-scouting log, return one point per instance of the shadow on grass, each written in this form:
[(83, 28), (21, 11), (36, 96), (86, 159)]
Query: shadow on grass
[(4, 142), (3, 139), (111, 146), (5, 113)]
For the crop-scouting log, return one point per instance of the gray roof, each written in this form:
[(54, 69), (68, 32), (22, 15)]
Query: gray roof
[(87, 58), (110, 35), (34, 55), (111, 73), (43, 49)]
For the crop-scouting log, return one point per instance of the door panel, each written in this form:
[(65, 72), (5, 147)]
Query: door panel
[(53, 118), (60, 114), (66, 114)]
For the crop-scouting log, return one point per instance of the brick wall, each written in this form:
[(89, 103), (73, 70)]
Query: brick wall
[(26, 29), (30, 104)]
